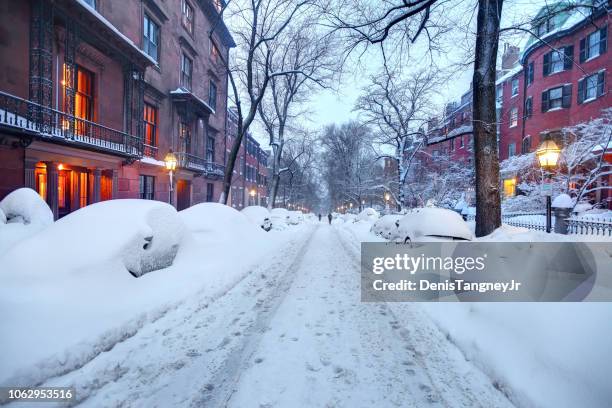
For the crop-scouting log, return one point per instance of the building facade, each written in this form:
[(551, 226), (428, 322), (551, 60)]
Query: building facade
[(94, 94)]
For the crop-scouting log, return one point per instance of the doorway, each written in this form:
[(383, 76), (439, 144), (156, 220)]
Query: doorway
[(183, 194)]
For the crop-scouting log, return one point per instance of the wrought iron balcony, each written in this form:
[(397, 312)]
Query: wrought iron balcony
[(149, 151), (52, 125), (199, 164)]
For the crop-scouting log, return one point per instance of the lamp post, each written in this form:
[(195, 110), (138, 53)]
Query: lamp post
[(252, 194), (170, 161), (548, 155)]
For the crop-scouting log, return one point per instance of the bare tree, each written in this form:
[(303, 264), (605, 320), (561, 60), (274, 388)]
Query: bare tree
[(257, 25), (398, 108), (307, 58)]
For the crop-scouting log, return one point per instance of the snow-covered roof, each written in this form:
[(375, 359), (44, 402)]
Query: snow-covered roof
[(515, 70), (182, 91)]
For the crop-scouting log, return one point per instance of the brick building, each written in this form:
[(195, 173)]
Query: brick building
[(250, 178), (539, 90), (94, 93)]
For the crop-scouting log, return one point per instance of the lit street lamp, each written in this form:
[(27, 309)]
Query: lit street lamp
[(387, 198), (252, 194), (170, 161), (548, 155)]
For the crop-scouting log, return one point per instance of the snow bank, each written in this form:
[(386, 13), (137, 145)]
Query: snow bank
[(23, 213), (369, 214), (295, 217), (258, 215)]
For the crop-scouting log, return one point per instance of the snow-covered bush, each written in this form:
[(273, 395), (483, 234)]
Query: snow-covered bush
[(23, 213), (428, 223), (214, 222), (259, 215), (143, 235), (368, 214), (386, 226)]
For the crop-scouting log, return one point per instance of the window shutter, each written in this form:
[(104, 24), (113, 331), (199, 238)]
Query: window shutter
[(603, 40), (530, 72), (583, 50), (567, 96), (601, 83), (529, 107), (545, 101), (581, 90), (546, 66), (569, 57)]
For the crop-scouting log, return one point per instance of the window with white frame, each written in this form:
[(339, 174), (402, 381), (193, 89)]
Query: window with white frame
[(513, 117), (515, 87)]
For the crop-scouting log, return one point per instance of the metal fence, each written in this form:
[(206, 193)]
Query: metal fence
[(589, 226)]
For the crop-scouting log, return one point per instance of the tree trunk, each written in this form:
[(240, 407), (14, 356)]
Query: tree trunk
[(277, 151), (274, 190), (229, 168), (488, 202)]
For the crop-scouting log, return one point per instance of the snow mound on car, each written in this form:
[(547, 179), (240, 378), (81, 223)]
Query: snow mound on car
[(144, 235), (258, 215), (213, 222), (436, 222), (369, 214), (386, 226)]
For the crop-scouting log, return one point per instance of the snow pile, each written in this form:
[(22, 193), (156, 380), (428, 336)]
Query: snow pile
[(23, 213), (295, 217), (386, 226), (258, 215), (433, 222), (369, 215), (280, 218), (563, 201), (348, 217), (210, 222), (145, 235)]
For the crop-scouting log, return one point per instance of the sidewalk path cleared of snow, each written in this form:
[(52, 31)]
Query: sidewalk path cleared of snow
[(292, 333)]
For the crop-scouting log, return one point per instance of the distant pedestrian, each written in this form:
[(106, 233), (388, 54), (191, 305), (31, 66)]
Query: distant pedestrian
[(329, 218), (319, 217)]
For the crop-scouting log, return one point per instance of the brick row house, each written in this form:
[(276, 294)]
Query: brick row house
[(250, 178), (539, 91), (94, 94)]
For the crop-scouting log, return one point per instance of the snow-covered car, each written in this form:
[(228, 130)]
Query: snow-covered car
[(433, 224), (387, 226), (280, 218), (368, 214), (23, 213), (259, 216), (143, 235), (348, 217), (212, 223), (295, 217)]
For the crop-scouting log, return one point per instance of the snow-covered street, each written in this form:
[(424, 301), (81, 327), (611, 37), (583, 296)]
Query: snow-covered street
[(292, 332)]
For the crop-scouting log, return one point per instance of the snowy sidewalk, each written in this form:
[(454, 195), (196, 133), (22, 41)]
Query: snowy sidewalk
[(292, 333)]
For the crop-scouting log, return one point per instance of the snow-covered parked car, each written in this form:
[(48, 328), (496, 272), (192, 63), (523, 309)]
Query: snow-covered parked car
[(212, 223), (348, 217), (23, 213), (387, 226), (280, 218), (143, 235), (295, 217), (433, 224), (368, 214), (259, 216)]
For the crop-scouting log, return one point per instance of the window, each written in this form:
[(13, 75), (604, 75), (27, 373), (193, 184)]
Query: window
[(461, 144), (556, 98), (212, 95), (591, 87), (526, 145), (509, 187), (528, 107), (545, 26), (513, 117), (499, 93), (150, 41), (83, 99), (150, 124), (187, 16), (594, 44), (557, 61), (210, 149), (515, 86), (511, 150), (210, 191), (529, 74), (214, 51), (185, 136), (147, 187), (186, 72)]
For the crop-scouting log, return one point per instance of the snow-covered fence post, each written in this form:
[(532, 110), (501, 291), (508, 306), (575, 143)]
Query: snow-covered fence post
[(562, 207)]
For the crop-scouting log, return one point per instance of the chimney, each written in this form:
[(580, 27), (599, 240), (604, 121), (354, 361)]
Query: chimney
[(510, 56)]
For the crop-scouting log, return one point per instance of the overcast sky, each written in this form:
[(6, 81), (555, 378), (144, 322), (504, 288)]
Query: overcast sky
[(336, 106)]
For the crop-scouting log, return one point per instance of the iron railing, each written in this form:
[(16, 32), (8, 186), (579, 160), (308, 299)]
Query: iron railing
[(530, 220), (51, 124), (149, 151), (197, 163), (589, 226)]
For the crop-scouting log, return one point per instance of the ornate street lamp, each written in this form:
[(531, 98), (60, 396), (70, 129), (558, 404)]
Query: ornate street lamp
[(171, 162), (252, 194), (548, 155)]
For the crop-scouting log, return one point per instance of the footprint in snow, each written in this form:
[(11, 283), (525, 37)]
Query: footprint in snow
[(193, 353), (258, 360)]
